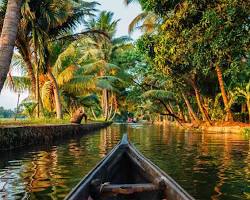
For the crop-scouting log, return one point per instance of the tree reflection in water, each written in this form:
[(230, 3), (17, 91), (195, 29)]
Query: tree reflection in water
[(208, 166)]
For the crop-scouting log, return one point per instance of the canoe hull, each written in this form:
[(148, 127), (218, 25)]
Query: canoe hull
[(125, 165)]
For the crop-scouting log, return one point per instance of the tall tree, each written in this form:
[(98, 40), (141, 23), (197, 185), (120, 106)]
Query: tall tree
[(8, 37), (102, 56), (45, 24)]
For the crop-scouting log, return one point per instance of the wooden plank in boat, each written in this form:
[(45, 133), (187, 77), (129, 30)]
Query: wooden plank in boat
[(127, 188)]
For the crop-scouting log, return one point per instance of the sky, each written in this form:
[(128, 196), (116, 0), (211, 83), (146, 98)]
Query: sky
[(126, 14)]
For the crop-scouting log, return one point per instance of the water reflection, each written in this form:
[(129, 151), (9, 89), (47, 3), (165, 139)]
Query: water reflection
[(208, 166)]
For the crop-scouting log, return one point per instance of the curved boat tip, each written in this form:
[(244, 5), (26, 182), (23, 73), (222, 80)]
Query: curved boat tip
[(124, 140)]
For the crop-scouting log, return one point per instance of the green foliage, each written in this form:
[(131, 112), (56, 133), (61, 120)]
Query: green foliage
[(28, 108), (193, 38), (183, 46), (6, 113), (161, 7), (246, 131), (159, 94)]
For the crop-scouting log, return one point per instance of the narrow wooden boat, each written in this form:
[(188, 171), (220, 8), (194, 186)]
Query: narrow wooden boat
[(127, 175)]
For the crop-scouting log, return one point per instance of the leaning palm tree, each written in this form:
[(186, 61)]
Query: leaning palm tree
[(8, 37)]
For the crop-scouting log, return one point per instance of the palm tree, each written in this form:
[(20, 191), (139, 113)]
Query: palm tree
[(40, 24), (76, 88), (8, 37), (100, 56), (62, 18), (229, 116)]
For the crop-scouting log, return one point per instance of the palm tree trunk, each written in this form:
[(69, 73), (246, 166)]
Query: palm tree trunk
[(170, 108), (110, 109), (115, 111), (190, 109), (31, 76), (200, 105), (180, 114), (191, 117), (105, 103), (17, 104), (37, 91), (229, 116), (113, 106), (8, 37), (248, 108), (57, 96), (38, 97), (31, 73), (25, 52), (93, 113)]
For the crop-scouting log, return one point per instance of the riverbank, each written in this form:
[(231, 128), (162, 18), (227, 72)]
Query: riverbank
[(13, 136), (215, 128)]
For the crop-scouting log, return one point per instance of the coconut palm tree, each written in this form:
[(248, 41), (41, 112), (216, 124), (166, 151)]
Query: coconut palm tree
[(39, 24), (44, 23), (100, 56), (8, 37)]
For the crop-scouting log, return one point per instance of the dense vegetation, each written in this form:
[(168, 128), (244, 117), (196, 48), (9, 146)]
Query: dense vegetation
[(6, 113), (201, 50), (191, 63)]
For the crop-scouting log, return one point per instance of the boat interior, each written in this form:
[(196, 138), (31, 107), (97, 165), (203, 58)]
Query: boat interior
[(125, 177), (125, 174)]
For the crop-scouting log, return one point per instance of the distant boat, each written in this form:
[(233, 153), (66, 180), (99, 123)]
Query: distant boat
[(131, 120), (127, 175)]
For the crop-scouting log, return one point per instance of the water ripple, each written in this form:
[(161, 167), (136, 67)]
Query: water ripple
[(208, 166)]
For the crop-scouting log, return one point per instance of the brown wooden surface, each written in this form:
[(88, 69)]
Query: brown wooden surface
[(128, 188)]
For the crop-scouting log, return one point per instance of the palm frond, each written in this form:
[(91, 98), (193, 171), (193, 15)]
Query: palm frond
[(67, 54), (111, 79), (90, 100), (66, 75), (135, 22), (95, 34), (78, 88), (105, 84), (104, 22), (94, 67), (80, 10), (158, 94), (127, 2), (18, 65), (17, 83), (146, 21)]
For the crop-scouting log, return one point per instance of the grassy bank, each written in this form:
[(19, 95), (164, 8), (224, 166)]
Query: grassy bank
[(219, 127), (41, 121)]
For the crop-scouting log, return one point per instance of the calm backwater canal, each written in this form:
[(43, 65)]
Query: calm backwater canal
[(209, 166)]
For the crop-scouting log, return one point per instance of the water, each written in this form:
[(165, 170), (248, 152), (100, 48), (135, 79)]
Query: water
[(208, 166)]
